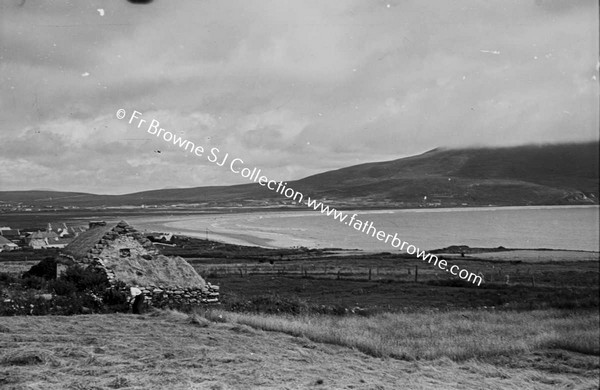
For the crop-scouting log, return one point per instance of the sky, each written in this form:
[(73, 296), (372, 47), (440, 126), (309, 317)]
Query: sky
[(293, 87)]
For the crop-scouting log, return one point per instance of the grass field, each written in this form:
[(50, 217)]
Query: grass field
[(171, 350), (562, 285), (530, 326), (377, 296)]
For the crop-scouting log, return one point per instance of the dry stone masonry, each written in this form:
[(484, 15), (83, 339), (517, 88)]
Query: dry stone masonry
[(122, 252), (161, 296), (122, 237)]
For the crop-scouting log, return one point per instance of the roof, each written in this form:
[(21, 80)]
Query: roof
[(6, 241), (85, 241), (159, 271), (10, 232), (42, 235), (48, 242)]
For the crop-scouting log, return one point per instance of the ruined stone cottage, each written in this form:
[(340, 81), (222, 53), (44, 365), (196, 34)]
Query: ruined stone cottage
[(125, 255)]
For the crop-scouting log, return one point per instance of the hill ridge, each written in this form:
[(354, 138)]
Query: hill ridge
[(542, 174)]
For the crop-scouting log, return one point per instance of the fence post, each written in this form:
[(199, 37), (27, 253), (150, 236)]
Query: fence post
[(416, 272)]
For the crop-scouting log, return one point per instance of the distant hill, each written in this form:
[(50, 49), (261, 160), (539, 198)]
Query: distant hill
[(546, 174), (524, 175)]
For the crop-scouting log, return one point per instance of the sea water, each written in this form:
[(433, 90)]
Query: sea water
[(553, 227)]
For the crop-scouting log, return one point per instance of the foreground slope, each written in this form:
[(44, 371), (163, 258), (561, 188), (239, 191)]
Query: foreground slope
[(168, 351)]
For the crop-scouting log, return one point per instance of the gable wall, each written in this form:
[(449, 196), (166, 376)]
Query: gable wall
[(118, 238), (111, 248)]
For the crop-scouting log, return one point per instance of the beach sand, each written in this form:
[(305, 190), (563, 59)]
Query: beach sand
[(203, 228), (427, 231)]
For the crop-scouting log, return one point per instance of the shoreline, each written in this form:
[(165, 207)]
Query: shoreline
[(227, 237), (488, 253), (137, 210), (311, 229), (246, 228)]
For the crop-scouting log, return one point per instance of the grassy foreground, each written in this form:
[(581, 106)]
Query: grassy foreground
[(224, 350), (458, 335)]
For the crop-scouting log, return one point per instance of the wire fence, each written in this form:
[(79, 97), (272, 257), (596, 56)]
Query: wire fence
[(413, 273)]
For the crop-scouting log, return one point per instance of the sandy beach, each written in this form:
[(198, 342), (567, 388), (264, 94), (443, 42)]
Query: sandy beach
[(309, 229), (179, 225), (559, 228), (240, 229)]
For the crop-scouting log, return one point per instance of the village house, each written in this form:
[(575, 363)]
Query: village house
[(7, 245), (128, 259), (46, 240), (165, 237), (13, 235), (58, 237)]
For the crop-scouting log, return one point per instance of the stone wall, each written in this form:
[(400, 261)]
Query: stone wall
[(112, 248), (165, 296), (122, 236)]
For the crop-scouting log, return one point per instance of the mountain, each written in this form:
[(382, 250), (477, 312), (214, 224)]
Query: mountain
[(523, 175), (544, 174)]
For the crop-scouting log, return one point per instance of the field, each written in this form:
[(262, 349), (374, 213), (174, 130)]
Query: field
[(328, 319), (376, 282), (165, 349)]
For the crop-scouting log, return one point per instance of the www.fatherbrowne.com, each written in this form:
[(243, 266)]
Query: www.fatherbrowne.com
[(236, 165)]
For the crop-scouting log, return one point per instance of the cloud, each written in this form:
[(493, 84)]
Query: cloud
[(295, 88)]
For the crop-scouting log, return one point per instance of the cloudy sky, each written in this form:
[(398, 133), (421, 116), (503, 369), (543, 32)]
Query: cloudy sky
[(292, 87)]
